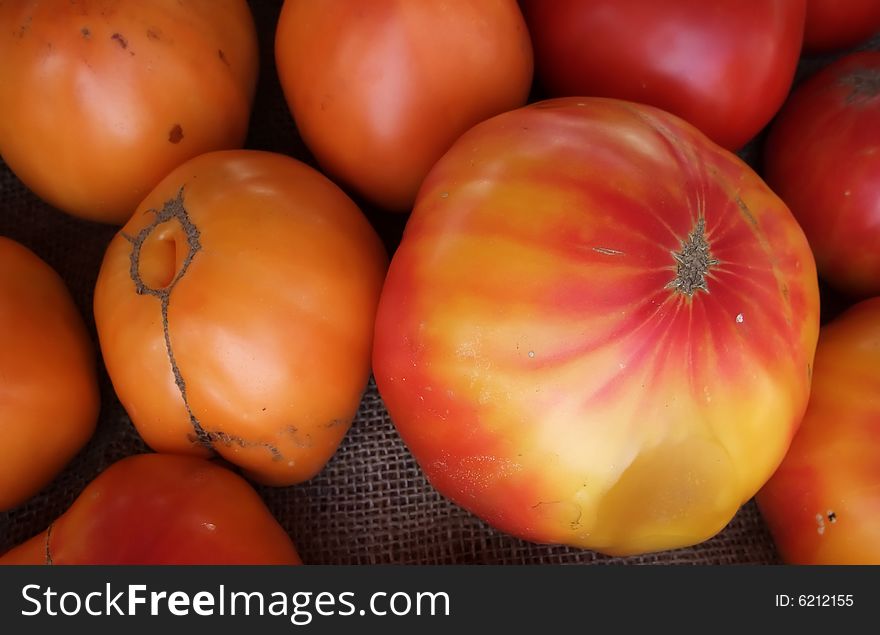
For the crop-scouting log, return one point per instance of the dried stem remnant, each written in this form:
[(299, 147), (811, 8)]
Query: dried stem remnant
[(693, 262)]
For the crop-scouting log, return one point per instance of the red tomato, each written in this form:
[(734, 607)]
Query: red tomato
[(162, 509), (379, 90), (823, 503), (49, 395), (235, 312), (100, 99), (823, 158), (723, 65), (598, 327), (838, 24)]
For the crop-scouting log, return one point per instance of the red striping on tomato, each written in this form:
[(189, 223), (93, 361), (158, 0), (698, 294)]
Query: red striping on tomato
[(624, 314)]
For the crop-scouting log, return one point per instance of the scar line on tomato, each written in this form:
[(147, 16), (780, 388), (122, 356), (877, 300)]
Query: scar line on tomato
[(174, 209), (48, 548)]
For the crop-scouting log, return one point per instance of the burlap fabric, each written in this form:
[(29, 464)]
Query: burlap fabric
[(371, 504)]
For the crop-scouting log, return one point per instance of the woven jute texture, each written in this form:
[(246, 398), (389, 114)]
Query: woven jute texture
[(371, 504)]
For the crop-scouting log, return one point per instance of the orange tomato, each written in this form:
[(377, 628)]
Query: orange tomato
[(49, 396), (380, 90), (101, 99), (823, 503), (162, 509), (235, 311)]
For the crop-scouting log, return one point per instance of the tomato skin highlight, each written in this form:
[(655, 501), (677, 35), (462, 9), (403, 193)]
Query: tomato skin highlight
[(834, 25), (725, 66), (249, 326), (537, 362), (823, 503), (380, 90), (101, 99), (153, 509), (49, 396), (823, 158)]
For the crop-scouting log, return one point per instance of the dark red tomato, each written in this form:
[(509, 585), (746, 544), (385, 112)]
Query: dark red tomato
[(162, 509), (838, 24), (823, 158), (725, 65)]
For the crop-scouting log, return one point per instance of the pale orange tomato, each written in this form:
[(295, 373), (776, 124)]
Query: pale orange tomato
[(100, 99), (235, 312)]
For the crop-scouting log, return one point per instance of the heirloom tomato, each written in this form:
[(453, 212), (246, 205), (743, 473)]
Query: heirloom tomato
[(823, 158), (823, 503), (379, 90), (598, 327), (100, 99), (839, 24), (49, 396), (162, 509), (723, 65), (235, 312)]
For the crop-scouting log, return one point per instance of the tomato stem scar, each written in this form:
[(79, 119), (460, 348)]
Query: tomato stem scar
[(864, 84), (693, 262)]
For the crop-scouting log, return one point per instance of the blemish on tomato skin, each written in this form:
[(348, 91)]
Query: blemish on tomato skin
[(175, 135), (153, 33), (863, 85), (25, 27), (86, 32), (608, 252), (222, 57), (119, 39)]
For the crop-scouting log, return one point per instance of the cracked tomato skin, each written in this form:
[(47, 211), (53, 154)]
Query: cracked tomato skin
[(49, 397), (381, 89), (100, 99), (833, 25), (823, 158), (823, 503), (537, 348), (243, 322), (725, 66), (153, 509)]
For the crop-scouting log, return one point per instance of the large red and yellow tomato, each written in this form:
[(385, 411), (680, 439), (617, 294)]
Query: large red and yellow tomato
[(100, 99), (235, 313), (598, 328), (725, 66), (823, 503), (153, 509), (838, 24), (823, 158), (49, 396), (380, 90)]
